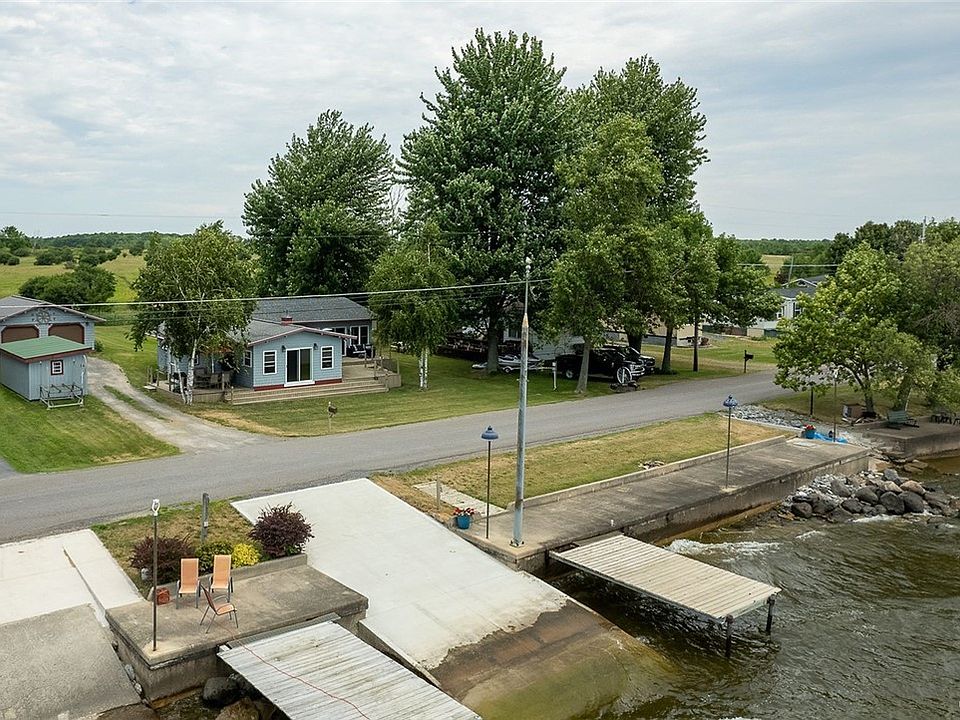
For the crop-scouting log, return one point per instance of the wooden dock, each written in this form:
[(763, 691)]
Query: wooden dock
[(684, 583)]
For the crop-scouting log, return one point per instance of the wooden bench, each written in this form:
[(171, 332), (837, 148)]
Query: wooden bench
[(898, 418)]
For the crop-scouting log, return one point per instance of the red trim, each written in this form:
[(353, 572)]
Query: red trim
[(268, 387), (328, 382)]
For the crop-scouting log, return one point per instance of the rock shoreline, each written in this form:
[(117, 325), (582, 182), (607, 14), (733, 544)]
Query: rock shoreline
[(837, 498)]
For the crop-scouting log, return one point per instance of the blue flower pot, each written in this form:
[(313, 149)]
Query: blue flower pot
[(463, 521)]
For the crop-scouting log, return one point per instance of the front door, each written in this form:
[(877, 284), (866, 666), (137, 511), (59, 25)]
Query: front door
[(299, 366)]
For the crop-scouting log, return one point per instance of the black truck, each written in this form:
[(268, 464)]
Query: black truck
[(623, 364)]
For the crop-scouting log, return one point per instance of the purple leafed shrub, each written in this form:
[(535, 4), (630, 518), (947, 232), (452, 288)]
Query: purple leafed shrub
[(169, 552), (281, 531)]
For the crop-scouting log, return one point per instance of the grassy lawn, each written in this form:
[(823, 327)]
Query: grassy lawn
[(118, 348), (774, 262), (36, 439), (454, 389), (133, 402), (179, 521), (565, 465), (125, 268), (824, 408)]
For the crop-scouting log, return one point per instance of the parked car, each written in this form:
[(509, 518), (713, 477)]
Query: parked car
[(606, 361), (649, 363)]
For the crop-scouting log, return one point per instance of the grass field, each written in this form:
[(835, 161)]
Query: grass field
[(35, 439), (179, 521), (774, 262), (564, 465), (124, 268), (454, 389)]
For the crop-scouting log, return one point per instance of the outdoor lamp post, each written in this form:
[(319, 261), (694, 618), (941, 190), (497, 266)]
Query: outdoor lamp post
[(836, 377), (155, 508), (489, 435), (730, 403)]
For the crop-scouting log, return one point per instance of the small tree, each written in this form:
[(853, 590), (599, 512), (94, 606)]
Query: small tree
[(197, 292), (281, 531), (420, 320)]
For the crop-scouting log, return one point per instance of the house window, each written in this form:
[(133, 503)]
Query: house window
[(361, 333), (341, 330), (269, 362), (248, 358), (326, 357), (56, 367), (797, 310)]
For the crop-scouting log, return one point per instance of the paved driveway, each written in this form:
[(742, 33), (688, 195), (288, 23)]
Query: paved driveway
[(31, 505)]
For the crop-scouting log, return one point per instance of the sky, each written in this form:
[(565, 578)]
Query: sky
[(159, 116)]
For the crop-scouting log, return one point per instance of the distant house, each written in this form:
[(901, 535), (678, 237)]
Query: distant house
[(43, 349), (789, 307), (288, 343)]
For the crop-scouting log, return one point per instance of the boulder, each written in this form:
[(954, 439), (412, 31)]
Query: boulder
[(802, 510), (866, 495), (838, 514), (840, 488), (852, 505), (915, 466), (912, 486), (220, 691), (939, 500), (892, 503), (824, 506), (243, 710), (871, 510), (891, 487), (891, 475), (912, 503)]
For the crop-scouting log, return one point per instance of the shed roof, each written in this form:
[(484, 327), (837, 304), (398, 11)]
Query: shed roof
[(259, 331), (37, 348), (311, 309), (16, 304)]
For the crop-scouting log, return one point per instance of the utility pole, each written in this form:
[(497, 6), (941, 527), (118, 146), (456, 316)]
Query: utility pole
[(522, 416)]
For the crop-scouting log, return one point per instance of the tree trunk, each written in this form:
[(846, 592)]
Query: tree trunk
[(422, 366), (493, 344), (584, 369), (635, 341), (903, 393), (188, 391), (696, 343), (667, 348)]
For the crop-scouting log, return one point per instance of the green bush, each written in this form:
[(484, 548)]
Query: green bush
[(281, 531), (169, 552), (245, 554), (206, 552)]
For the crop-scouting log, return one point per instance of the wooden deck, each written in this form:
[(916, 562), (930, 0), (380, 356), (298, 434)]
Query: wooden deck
[(679, 581), (323, 671)]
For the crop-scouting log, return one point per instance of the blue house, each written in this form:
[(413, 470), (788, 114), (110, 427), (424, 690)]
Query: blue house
[(43, 349)]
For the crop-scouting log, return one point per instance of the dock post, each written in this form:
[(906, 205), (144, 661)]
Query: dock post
[(729, 623), (770, 603)]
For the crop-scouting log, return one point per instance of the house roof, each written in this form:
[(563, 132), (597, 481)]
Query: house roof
[(259, 331), (311, 310), (795, 291), (37, 348), (17, 304)]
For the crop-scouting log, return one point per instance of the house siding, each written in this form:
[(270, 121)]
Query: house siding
[(26, 378), (16, 376), (258, 379), (57, 316)]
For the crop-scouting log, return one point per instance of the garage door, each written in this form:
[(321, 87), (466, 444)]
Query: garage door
[(70, 332), (19, 332)]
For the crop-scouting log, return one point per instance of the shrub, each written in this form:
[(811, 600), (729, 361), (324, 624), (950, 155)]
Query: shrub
[(245, 554), (97, 346), (281, 531), (169, 552), (206, 552)]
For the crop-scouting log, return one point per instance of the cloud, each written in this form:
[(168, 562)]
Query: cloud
[(820, 116)]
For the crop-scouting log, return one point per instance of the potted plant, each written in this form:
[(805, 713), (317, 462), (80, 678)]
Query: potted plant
[(808, 432), (462, 517)]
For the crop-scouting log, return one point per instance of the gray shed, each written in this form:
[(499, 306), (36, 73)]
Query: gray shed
[(51, 369)]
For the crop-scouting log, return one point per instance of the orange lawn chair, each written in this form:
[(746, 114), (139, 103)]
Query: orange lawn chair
[(189, 582), (218, 608), (222, 579)]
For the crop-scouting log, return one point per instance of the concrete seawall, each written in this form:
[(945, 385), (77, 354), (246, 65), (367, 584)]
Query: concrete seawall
[(667, 501), (929, 439)]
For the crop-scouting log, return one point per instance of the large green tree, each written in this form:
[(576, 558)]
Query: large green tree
[(670, 113), (408, 302), (850, 325), (609, 183), (483, 166), (13, 239), (196, 290), (83, 286), (320, 219)]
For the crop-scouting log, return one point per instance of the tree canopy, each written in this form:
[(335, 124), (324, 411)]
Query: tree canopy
[(82, 286), (321, 218), (197, 291), (483, 167)]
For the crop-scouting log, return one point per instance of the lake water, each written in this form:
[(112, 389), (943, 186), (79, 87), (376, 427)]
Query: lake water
[(867, 625)]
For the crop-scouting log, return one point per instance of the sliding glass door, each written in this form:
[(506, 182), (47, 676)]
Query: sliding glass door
[(299, 366)]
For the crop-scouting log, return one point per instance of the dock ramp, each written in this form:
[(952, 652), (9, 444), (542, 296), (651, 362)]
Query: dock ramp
[(684, 583), (324, 671)]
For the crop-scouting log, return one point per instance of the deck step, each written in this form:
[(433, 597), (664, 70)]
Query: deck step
[(320, 391)]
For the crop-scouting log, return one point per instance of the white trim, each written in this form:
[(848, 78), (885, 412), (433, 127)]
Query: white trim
[(53, 364), (263, 360), (325, 349), (248, 358), (286, 357)]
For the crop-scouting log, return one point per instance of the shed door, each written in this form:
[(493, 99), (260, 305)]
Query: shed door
[(19, 332), (69, 332)]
